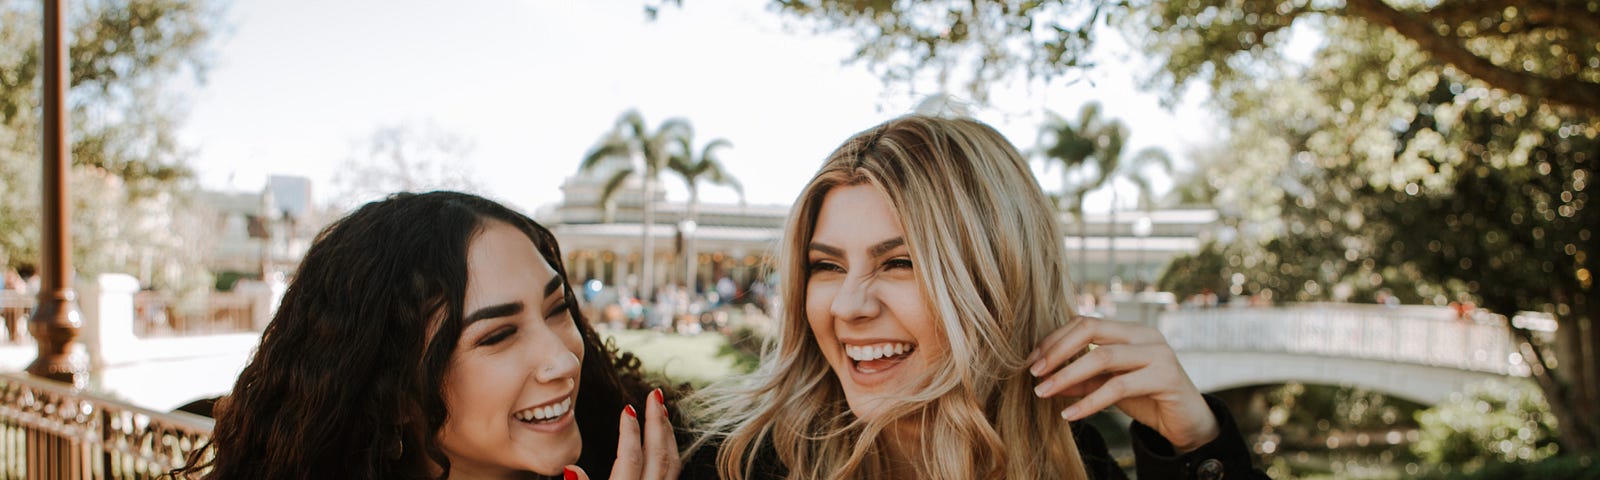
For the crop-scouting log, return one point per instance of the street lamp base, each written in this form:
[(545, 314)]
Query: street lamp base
[(54, 327)]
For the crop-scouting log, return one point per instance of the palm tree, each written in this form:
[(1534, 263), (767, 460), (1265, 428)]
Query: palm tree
[(692, 168), (1136, 171), (1094, 146), (1076, 146), (637, 151)]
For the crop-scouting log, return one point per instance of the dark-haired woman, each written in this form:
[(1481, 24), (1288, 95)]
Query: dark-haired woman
[(434, 336)]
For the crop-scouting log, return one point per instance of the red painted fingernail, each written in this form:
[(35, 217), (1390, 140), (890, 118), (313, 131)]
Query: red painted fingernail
[(661, 399), (569, 474), (628, 409)]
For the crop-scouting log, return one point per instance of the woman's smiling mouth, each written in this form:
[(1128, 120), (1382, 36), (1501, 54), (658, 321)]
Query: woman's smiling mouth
[(545, 414), (877, 357)]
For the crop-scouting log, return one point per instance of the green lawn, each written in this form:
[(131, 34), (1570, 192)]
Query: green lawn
[(679, 358)]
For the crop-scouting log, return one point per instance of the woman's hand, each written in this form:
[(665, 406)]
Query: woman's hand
[(655, 459), (1127, 365)]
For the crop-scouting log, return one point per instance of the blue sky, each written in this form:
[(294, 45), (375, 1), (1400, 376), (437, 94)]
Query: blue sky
[(295, 85)]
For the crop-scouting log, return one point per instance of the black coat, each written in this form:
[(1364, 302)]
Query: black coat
[(1227, 457)]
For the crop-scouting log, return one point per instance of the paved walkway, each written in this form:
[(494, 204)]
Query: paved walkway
[(162, 373)]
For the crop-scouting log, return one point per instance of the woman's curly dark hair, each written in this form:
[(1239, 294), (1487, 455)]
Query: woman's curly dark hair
[(346, 383)]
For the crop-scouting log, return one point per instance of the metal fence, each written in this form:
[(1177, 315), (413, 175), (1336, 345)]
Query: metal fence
[(50, 431), (156, 314)]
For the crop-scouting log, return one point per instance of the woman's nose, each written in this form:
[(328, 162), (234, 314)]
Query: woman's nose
[(556, 362), (854, 300)]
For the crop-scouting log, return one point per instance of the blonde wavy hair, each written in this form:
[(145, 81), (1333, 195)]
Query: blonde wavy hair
[(990, 261)]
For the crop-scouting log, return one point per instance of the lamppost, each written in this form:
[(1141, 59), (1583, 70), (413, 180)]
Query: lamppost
[(688, 227), (1111, 240), (1141, 229), (56, 320)]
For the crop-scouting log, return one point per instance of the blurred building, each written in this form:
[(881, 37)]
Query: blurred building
[(264, 231), (1134, 246), (739, 241), (729, 240)]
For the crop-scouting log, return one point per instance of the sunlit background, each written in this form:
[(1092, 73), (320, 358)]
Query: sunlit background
[(1363, 225)]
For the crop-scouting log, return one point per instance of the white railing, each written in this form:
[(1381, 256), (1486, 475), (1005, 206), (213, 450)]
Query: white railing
[(1424, 336), (15, 309)]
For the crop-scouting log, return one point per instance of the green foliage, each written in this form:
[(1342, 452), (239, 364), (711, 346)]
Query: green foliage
[(1428, 148), (1088, 148), (1321, 431), (1546, 50), (1566, 467), (1195, 273), (744, 348), (1090, 152), (629, 139), (991, 40), (225, 280), (706, 165), (1491, 422), (672, 359), (1433, 187), (129, 183)]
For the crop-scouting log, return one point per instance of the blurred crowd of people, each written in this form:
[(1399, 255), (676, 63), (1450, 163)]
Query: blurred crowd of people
[(16, 301), (674, 308)]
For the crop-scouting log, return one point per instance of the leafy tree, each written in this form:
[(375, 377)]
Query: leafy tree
[(629, 140), (1206, 270), (1092, 150), (706, 165), (692, 168), (123, 136), (1545, 51), (1432, 188), (1445, 146), (1074, 146), (403, 158), (1492, 421)]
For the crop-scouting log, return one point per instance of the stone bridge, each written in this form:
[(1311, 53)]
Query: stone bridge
[(1422, 354)]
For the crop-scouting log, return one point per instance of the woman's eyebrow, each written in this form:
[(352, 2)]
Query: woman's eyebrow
[(496, 311), (555, 284), (885, 246), (827, 249)]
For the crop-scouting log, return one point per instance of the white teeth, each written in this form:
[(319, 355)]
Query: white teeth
[(538, 414), (877, 351)]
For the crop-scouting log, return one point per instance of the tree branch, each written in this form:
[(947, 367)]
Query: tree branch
[(1570, 92), (1560, 14)]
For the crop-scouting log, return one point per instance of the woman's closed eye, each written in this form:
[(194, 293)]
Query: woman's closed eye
[(559, 311), (824, 267), (896, 263), (498, 335)]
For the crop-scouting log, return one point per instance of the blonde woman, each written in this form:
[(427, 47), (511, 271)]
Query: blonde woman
[(920, 269)]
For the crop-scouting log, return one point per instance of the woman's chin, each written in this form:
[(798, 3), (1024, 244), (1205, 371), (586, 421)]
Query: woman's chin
[(867, 407), (552, 460)]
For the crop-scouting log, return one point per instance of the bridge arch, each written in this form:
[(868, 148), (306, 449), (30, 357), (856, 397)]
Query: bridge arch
[(1218, 371), (1420, 354)]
